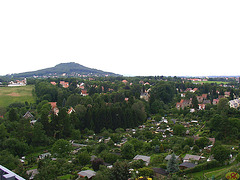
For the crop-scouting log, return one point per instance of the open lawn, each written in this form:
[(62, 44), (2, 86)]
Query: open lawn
[(209, 173), (10, 95)]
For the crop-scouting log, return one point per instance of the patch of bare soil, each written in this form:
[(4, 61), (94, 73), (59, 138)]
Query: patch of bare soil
[(14, 95)]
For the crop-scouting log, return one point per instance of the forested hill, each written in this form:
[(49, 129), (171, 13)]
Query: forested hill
[(68, 69)]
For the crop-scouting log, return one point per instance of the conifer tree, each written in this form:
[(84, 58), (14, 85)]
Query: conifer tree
[(172, 165)]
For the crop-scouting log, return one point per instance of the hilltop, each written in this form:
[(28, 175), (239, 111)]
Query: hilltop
[(65, 69)]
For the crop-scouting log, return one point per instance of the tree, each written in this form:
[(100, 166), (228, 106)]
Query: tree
[(202, 142), (127, 151), (146, 172), (220, 153), (223, 105), (96, 163), (120, 171), (172, 165), (8, 160), (61, 148), (179, 130), (13, 115), (16, 147), (195, 102), (195, 149), (84, 158), (39, 137), (3, 132)]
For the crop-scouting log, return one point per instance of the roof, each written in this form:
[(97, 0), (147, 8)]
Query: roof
[(7, 174), (87, 173), (192, 157), (168, 157), (160, 171), (28, 114), (144, 158), (187, 165)]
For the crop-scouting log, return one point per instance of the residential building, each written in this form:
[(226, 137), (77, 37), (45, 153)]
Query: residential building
[(146, 159), (64, 84), (55, 109), (183, 103), (87, 173), (234, 103), (6, 174), (189, 158), (84, 92), (28, 115), (168, 157), (186, 165), (53, 83), (145, 96), (215, 101)]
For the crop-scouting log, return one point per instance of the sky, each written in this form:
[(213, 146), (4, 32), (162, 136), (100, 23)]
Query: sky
[(128, 37)]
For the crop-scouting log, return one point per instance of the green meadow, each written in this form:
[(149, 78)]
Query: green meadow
[(9, 95)]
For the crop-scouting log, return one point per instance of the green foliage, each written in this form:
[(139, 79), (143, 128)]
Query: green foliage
[(120, 171), (8, 160), (179, 130), (146, 172), (220, 153), (172, 165), (127, 151), (200, 167), (202, 142), (3, 132), (83, 158), (61, 148), (16, 147), (156, 160), (96, 163), (136, 164)]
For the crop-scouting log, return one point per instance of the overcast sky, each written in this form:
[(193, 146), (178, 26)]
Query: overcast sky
[(129, 37)]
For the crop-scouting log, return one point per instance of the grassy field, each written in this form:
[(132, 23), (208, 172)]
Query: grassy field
[(10, 95), (217, 82)]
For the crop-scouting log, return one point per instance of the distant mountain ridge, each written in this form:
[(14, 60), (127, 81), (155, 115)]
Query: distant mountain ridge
[(66, 69)]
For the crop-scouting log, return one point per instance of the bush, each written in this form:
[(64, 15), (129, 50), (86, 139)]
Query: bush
[(201, 167)]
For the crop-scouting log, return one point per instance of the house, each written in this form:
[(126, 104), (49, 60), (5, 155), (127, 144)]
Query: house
[(204, 96), (32, 172), (64, 84), (215, 101), (6, 174), (55, 109), (186, 165), (206, 101), (84, 92), (28, 115), (168, 157), (227, 94), (212, 140), (234, 103), (53, 83), (70, 110), (45, 155), (160, 173), (194, 90), (125, 81), (190, 157), (18, 83), (32, 122), (87, 173), (201, 106), (107, 140), (183, 103), (200, 99), (146, 159), (145, 96)]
